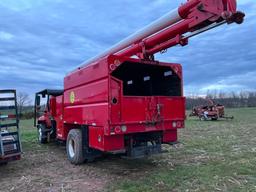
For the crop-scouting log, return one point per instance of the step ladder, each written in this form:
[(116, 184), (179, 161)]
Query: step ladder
[(10, 144)]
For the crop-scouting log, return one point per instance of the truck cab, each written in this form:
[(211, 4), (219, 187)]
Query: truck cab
[(45, 114)]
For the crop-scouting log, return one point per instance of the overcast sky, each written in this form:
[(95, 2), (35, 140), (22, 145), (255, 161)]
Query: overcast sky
[(42, 40)]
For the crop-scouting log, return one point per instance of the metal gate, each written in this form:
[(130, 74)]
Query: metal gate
[(10, 145)]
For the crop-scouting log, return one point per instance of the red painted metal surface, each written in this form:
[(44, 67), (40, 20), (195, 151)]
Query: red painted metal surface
[(92, 105), (46, 118), (95, 97)]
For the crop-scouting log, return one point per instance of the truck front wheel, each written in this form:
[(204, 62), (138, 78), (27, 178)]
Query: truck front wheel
[(42, 134), (74, 147)]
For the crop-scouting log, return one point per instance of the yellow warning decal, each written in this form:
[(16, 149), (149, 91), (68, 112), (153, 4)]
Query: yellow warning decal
[(72, 97)]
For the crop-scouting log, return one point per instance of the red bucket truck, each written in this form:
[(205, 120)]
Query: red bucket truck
[(123, 100)]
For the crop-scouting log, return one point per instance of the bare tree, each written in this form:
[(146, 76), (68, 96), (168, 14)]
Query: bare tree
[(23, 100), (252, 99)]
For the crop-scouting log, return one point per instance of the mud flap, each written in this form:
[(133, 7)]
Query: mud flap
[(89, 153), (144, 144), (144, 151)]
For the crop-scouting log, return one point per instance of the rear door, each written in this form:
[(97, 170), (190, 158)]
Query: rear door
[(152, 109)]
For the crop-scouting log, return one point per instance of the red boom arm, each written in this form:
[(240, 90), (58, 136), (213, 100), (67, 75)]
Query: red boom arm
[(176, 27), (197, 17)]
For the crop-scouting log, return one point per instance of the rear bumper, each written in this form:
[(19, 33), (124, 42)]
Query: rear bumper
[(142, 127), (116, 138)]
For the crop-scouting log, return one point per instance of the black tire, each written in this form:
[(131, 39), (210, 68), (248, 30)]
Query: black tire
[(202, 118), (42, 134), (74, 147), (3, 163), (53, 130)]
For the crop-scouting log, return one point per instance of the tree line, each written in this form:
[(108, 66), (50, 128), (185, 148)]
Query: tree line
[(228, 99)]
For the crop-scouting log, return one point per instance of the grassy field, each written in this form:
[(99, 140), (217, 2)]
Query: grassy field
[(28, 134), (211, 156)]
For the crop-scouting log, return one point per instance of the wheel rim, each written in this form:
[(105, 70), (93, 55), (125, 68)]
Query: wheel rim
[(71, 148), (39, 134)]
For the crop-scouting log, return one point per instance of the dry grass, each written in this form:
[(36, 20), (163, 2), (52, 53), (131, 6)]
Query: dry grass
[(212, 156)]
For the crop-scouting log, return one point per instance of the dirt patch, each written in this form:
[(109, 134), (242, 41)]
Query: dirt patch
[(47, 169)]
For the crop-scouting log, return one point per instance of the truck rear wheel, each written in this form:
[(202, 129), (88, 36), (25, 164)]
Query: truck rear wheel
[(42, 135), (3, 163), (74, 147)]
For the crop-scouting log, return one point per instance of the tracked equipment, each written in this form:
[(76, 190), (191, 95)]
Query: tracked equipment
[(212, 111)]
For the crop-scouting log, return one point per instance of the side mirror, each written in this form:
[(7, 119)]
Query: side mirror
[(38, 98)]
